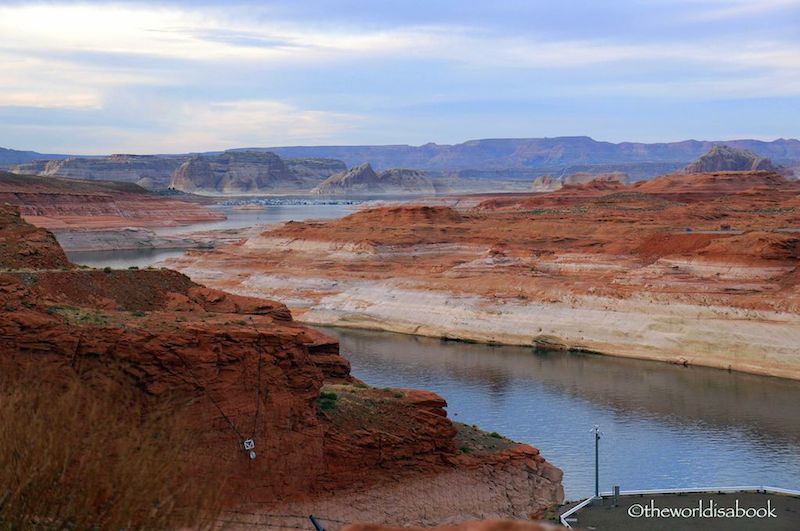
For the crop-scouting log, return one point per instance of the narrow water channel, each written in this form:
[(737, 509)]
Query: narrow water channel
[(662, 425)]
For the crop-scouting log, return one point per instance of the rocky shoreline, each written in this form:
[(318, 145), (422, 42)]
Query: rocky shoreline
[(645, 271), (236, 362)]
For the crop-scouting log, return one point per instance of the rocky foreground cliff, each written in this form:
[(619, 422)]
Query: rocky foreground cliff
[(325, 443), (689, 269)]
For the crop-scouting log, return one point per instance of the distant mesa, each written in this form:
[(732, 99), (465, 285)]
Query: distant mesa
[(149, 171), (251, 172), (549, 183), (726, 158), (505, 164), (362, 179)]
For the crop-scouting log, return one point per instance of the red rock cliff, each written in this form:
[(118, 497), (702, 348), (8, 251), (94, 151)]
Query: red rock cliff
[(248, 371)]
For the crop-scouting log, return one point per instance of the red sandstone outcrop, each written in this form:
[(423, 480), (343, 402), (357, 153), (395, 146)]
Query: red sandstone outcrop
[(57, 203), (697, 268), (23, 246), (245, 369)]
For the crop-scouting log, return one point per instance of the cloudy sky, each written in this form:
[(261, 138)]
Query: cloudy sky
[(157, 77)]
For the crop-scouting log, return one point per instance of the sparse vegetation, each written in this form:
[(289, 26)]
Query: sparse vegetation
[(327, 400), (80, 456), (75, 315)]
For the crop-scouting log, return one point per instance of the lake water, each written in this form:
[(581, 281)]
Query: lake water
[(271, 214), (236, 219), (662, 425)]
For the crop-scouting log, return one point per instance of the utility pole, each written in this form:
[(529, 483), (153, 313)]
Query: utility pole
[(596, 431)]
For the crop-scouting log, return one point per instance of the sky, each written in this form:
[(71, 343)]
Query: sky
[(170, 77)]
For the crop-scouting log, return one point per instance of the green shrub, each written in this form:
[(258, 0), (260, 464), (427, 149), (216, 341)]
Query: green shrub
[(327, 400)]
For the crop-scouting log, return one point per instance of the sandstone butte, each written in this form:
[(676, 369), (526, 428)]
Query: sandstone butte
[(73, 204), (695, 269), (384, 456)]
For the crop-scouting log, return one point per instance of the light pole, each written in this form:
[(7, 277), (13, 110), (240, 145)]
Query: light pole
[(596, 431)]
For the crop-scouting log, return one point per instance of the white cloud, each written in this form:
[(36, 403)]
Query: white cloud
[(253, 123), (186, 127), (96, 57)]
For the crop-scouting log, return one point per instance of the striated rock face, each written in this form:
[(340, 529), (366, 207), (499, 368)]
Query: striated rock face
[(251, 172), (363, 180), (234, 171), (726, 158), (57, 203), (692, 268), (325, 443), (24, 246), (546, 153), (314, 170), (149, 171)]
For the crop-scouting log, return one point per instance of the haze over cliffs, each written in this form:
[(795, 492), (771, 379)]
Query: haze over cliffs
[(558, 152), (473, 166), (726, 158), (149, 171), (362, 179)]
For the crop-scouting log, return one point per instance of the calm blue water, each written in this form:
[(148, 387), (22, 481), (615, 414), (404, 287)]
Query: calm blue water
[(662, 425)]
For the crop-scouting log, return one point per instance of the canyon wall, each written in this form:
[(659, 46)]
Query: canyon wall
[(325, 442), (60, 203), (689, 269)]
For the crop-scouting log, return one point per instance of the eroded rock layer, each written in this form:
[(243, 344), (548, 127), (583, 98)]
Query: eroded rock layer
[(325, 442), (57, 203), (691, 269)]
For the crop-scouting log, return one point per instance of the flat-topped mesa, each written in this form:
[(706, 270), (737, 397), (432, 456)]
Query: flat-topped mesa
[(726, 158), (364, 229), (362, 179), (251, 171), (233, 171), (149, 171), (711, 184)]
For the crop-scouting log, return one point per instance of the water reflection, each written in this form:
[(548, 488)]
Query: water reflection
[(663, 425)]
